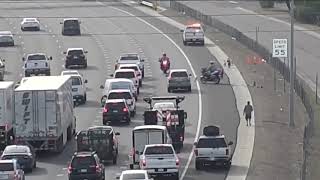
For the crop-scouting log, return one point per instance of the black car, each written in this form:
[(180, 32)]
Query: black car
[(116, 111), (71, 26), (86, 165), (24, 154), (76, 57)]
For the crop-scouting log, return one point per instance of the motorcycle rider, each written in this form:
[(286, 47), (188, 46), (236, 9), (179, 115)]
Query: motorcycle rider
[(212, 69), (164, 58)]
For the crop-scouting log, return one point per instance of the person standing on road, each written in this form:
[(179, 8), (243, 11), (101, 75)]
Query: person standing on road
[(247, 113)]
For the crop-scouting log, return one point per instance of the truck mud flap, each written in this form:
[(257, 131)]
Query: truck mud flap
[(150, 118)]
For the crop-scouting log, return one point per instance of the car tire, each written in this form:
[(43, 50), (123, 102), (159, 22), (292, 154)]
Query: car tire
[(185, 43), (227, 165), (131, 166), (143, 74), (22, 29), (198, 165), (189, 89), (66, 66), (85, 66), (26, 74), (114, 160), (138, 91), (140, 83), (169, 90), (35, 164), (84, 99), (176, 176)]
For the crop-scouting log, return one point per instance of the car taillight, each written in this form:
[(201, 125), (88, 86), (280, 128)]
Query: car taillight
[(125, 109), (105, 110), (70, 169), (196, 152), (98, 169), (177, 162), (227, 151), (144, 163)]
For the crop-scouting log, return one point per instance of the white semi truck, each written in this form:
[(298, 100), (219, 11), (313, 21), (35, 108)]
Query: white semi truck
[(44, 116), (6, 113)]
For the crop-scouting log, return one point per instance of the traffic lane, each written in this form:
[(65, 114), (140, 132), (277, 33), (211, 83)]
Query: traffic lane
[(12, 55), (131, 25), (35, 41), (218, 100)]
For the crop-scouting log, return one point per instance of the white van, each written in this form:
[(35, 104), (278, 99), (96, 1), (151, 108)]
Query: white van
[(128, 74), (79, 90), (134, 67), (144, 135)]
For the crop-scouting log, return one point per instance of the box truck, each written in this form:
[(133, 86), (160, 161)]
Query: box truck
[(6, 113), (44, 116)]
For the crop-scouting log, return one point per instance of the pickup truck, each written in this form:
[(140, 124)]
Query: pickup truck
[(160, 160)]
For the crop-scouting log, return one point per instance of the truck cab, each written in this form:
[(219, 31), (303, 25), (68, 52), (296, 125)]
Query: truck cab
[(79, 89)]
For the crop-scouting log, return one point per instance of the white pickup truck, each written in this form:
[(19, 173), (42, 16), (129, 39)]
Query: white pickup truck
[(160, 160)]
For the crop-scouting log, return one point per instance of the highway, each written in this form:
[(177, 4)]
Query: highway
[(105, 40)]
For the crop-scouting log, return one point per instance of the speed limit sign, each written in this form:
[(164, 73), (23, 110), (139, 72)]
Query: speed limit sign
[(280, 48)]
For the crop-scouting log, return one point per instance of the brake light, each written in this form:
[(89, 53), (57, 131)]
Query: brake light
[(196, 152), (105, 110), (125, 109), (98, 169), (144, 163), (227, 151), (70, 169), (177, 162)]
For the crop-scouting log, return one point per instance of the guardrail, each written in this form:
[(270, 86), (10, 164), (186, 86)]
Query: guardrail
[(307, 95)]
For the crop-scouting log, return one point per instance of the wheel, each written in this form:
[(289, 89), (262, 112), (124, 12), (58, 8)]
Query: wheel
[(198, 165), (131, 166), (143, 74), (26, 74), (66, 66), (138, 90), (202, 43), (85, 65), (84, 99), (132, 114), (48, 73), (203, 80), (136, 98), (22, 29), (140, 83), (227, 165), (169, 90), (189, 89), (69, 133), (176, 176), (184, 43), (114, 160), (35, 164)]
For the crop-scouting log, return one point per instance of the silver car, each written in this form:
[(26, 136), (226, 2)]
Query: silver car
[(179, 79), (10, 170), (6, 38)]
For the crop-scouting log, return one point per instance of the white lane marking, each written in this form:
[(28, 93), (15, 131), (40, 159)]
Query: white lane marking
[(233, 2), (245, 136), (53, 36), (14, 27), (194, 74), (60, 175), (57, 41), (20, 37), (300, 28)]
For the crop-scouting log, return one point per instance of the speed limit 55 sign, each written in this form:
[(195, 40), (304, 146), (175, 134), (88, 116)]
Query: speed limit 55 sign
[(280, 48)]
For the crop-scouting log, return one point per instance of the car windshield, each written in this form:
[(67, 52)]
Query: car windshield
[(130, 67), (82, 161), (179, 74), (129, 57), (30, 20), (212, 143), (6, 167), (127, 75), (37, 57), (133, 176), (115, 106), (18, 156), (75, 52), (120, 95), (159, 150), (70, 73), (76, 81), (120, 85), (71, 23)]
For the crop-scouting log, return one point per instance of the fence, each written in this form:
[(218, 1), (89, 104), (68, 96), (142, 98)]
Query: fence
[(307, 95)]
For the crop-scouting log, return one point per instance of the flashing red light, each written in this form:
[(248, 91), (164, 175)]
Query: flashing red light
[(105, 110), (125, 109), (177, 162)]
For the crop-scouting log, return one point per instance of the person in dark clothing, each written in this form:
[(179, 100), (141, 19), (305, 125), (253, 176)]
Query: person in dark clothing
[(247, 113)]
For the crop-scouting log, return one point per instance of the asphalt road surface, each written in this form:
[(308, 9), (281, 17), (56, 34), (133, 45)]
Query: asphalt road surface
[(105, 39)]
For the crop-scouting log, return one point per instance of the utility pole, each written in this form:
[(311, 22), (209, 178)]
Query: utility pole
[(291, 99)]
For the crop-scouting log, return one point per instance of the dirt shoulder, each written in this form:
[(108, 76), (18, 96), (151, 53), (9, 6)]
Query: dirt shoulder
[(278, 149)]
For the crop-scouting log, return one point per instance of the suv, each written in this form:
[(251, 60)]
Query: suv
[(37, 63), (86, 165), (76, 57), (71, 26), (193, 34), (2, 69), (131, 58), (116, 110), (79, 90), (179, 79), (124, 94), (25, 156), (128, 74), (6, 38), (136, 68), (119, 83), (212, 149), (10, 170)]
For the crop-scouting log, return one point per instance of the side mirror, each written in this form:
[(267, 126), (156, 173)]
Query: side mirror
[(64, 52), (185, 115), (61, 22), (3, 60), (101, 87), (230, 143), (167, 75), (85, 81), (74, 103), (181, 30), (50, 58), (23, 59), (117, 133), (137, 152), (142, 60), (111, 75), (85, 51), (117, 177), (190, 74), (195, 143)]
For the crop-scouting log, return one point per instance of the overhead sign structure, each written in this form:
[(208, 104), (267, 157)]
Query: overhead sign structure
[(280, 48)]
